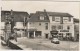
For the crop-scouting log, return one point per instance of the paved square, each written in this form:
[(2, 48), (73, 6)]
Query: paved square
[(45, 44)]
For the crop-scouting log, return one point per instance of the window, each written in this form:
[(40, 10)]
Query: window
[(61, 20), (68, 34), (41, 17), (53, 27), (60, 34), (68, 27), (65, 19), (53, 18), (40, 24), (46, 26), (38, 34), (59, 27), (57, 19), (69, 18)]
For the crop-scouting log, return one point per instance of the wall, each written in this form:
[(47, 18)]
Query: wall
[(19, 25), (40, 27), (2, 26), (65, 24)]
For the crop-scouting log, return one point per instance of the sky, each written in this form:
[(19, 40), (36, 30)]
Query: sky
[(33, 6), (41, 0)]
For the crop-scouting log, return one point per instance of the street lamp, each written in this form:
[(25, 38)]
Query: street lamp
[(12, 21), (7, 28)]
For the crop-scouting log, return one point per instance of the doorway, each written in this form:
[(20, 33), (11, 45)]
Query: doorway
[(46, 35), (31, 34)]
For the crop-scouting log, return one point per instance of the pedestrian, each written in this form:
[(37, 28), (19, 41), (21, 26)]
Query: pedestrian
[(15, 36)]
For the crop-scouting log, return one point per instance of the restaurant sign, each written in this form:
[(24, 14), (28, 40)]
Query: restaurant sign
[(64, 30)]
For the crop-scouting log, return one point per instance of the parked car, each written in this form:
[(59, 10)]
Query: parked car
[(55, 40)]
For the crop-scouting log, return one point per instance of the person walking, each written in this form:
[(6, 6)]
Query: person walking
[(15, 36)]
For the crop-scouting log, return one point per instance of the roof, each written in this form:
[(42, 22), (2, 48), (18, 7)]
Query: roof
[(76, 20), (36, 18), (57, 14), (18, 15)]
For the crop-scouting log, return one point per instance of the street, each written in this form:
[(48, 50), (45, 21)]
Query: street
[(45, 44)]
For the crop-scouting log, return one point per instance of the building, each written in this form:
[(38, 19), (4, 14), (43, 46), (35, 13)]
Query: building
[(18, 17), (76, 29), (38, 26), (42, 23)]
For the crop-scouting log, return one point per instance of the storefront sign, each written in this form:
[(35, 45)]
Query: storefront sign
[(64, 30), (54, 32)]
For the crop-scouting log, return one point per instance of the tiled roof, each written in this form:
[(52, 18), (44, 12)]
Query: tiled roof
[(76, 20), (36, 18), (18, 15), (57, 14)]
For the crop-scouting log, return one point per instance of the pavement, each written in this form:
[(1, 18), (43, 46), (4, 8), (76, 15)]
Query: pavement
[(45, 44), (4, 47)]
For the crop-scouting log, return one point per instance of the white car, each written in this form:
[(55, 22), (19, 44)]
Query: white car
[(55, 40)]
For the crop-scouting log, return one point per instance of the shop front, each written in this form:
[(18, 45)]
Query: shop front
[(60, 36), (38, 34), (54, 33), (33, 33)]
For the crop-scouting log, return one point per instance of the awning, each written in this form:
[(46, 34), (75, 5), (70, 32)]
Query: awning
[(18, 27), (31, 29)]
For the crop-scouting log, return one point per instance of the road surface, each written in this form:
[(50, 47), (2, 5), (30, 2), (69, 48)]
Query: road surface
[(47, 45)]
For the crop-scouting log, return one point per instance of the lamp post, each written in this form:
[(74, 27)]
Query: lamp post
[(8, 26), (12, 22), (25, 25)]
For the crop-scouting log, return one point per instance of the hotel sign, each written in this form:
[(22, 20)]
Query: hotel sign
[(64, 30)]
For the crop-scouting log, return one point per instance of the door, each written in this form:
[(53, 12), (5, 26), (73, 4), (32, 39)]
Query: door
[(31, 34), (46, 35)]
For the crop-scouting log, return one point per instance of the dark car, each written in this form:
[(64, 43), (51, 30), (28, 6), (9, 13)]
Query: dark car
[(55, 40)]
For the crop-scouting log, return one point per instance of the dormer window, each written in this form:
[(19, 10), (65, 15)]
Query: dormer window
[(41, 17)]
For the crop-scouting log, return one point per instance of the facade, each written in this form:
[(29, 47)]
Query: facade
[(18, 18), (38, 26), (42, 24), (61, 22), (76, 29)]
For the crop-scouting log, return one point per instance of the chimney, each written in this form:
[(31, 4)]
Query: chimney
[(44, 10), (11, 12)]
